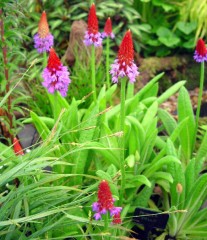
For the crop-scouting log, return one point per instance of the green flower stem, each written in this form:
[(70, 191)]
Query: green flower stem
[(55, 106), (122, 142), (93, 72), (130, 90), (106, 225), (44, 59), (199, 99), (107, 62)]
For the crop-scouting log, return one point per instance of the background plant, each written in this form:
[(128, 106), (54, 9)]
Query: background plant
[(12, 58)]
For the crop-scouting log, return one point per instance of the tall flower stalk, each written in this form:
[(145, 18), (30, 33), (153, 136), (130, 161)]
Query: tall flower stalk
[(200, 56), (124, 68), (108, 34), (93, 38)]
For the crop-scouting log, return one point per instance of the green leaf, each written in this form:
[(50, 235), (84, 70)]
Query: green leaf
[(143, 196), (103, 175), (170, 91), (201, 155), (167, 37), (148, 87), (163, 176), (41, 127), (134, 181), (167, 120), (185, 111), (86, 135), (194, 199), (149, 115), (190, 176), (187, 27), (47, 120), (154, 166)]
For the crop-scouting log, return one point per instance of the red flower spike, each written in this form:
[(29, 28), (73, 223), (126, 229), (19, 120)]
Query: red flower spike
[(92, 20), (117, 219), (43, 28), (126, 50), (105, 198), (53, 60), (17, 147), (108, 26), (201, 48)]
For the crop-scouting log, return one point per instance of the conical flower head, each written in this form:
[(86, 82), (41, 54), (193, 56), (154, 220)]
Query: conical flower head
[(43, 28), (200, 54), (92, 20), (126, 49), (17, 147), (108, 29), (92, 35), (55, 75), (43, 40), (124, 64), (53, 60), (105, 198)]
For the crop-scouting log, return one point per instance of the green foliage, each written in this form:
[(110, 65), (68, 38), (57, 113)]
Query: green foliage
[(195, 12), (169, 29)]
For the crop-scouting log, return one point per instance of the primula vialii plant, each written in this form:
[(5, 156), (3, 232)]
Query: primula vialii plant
[(93, 38), (55, 75), (200, 56), (92, 35), (108, 29), (105, 204), (124, 65), (43, 40), (122, 69)]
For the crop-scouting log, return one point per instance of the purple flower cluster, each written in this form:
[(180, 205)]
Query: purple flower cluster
[(56, 80), (55, 75), (105, 35), (92, 38), (43, 44), (199, 58), (121, 69), (97, 207)]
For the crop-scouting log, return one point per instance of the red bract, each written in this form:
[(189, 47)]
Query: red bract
[(53, 60), (105, 198), (92, 20), (43, 28), (116, 218), (126, 50), (17, 147), (108, 26)]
